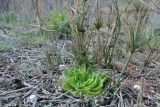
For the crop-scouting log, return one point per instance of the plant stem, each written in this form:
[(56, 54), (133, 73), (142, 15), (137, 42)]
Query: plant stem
[(98, 47), (125, 67)]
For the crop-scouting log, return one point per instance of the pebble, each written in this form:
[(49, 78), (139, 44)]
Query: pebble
[(62, 67), (152, 91), (32, 98), (137, 87)]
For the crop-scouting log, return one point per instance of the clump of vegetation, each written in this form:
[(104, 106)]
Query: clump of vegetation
[(155, 40), (82, 80), (53, 58), (137, 34), (81, 35), (98, 24), (33, 39), (4, 46), (58, 22), (8, 17), (55, 20), (66, 29)]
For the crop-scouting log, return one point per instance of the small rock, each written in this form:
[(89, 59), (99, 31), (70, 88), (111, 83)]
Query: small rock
[(152, 91), (152, 88), (32, 98), (151, 65), (158, 104), (62, 67), (137, 87)]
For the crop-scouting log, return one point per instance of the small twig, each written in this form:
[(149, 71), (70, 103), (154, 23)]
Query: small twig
[(77, 100), (155, 5), (45, 91), (149, 5), (43, 28), (11, 96), (34, 89), (15, 91), (8, 67), (61, 95), (28, 85), (120, 86), (47, 30), (129, 94), (61, 101)]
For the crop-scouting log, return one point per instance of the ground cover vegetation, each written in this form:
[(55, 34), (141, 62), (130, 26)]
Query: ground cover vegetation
[(81, 55)]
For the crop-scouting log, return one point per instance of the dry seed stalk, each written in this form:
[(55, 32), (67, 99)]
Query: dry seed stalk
[(98, 25)]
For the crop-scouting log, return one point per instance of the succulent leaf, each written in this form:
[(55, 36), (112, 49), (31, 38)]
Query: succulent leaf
[(82, 80)]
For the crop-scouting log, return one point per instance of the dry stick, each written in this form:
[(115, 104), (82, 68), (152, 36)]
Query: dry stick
[(113, 102), (128, 93), (45, 91), (149, 5), (38, 26), (30, 92), (61, 101), (15, 91), (121, 99), (155, 4), (6, 70), (1, 91), (77, 100), (11, 96), (60, 95), (48, 30), (120, 86)]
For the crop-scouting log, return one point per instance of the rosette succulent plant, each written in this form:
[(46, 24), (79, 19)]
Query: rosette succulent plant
[(82, 80)]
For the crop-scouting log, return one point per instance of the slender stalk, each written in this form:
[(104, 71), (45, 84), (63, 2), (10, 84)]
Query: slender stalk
[(98, 47), (123, 70), (125, 67)]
